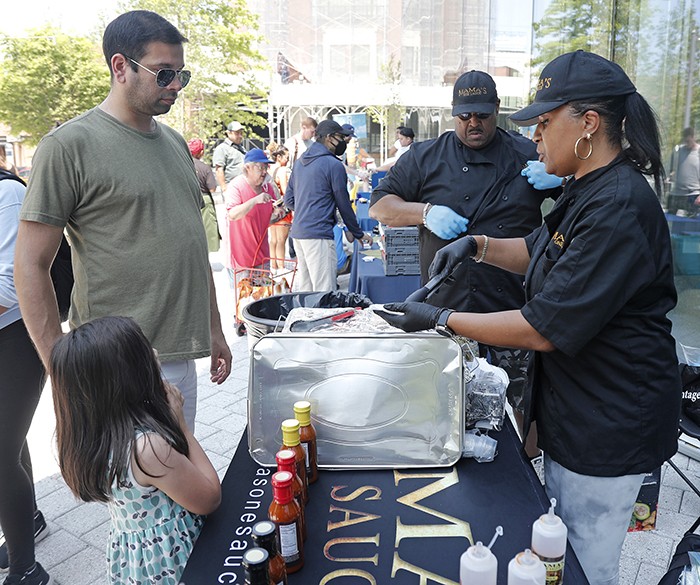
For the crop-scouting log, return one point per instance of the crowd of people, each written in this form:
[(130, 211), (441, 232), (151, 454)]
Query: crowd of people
[(573, 305)]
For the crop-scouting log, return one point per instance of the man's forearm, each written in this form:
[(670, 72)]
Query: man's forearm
[(394, 211), (34, 254), (37, 302), (221, 178)]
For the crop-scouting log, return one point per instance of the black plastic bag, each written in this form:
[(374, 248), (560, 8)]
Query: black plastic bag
[(690, 382)]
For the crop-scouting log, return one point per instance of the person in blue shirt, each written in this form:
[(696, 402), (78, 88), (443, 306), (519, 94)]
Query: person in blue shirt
[(317, 188)]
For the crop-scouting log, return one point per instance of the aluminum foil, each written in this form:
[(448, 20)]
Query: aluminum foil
[(377, 400)]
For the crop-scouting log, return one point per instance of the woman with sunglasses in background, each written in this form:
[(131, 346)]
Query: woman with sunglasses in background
[(605, 388)]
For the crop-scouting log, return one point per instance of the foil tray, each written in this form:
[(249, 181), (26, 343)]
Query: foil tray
[(377, 400)]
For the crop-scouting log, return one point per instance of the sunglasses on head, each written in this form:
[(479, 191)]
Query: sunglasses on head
[(164, 77), (468, 115)]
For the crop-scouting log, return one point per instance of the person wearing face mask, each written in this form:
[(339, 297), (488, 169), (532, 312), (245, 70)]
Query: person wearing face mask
[(317, 187)]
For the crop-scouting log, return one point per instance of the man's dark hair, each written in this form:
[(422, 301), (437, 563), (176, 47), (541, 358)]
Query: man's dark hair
[(688, 133), (130, 33)]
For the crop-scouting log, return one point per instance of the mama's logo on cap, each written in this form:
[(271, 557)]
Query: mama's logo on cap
[(474, 91), (574, 76)]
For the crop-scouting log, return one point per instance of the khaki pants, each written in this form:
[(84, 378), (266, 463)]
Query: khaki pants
[(317, 265)]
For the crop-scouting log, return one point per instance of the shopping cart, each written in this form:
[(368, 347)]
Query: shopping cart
[(259, 282)]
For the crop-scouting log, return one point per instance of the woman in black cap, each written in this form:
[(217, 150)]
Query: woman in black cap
[(598, 274)]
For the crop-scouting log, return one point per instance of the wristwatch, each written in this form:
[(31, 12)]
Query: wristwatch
[(441, 325)]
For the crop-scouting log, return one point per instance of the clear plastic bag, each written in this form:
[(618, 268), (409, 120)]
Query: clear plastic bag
[(691, 574), (485, 395)]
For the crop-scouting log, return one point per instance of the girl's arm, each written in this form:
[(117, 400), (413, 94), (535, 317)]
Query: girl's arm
[(190, 481)]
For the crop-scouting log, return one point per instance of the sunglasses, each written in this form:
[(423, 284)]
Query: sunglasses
[(164, 77), (468, 116)]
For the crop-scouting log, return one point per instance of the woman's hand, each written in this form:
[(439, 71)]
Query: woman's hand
[(264, 197), (447, 258), (411, 316)]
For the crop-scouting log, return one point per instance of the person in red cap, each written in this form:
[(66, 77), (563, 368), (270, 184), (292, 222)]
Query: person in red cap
[(249, 211), (207, 185)]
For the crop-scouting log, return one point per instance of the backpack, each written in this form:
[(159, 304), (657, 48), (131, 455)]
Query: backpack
[(62, 267)]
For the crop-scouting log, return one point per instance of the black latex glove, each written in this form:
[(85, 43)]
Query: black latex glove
[(413, 317), (447, 258)]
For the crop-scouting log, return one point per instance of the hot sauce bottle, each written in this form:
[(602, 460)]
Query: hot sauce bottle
[(291, 440), (307, 436), (286, 461), (284, 511), (255, 562), (265, 536)]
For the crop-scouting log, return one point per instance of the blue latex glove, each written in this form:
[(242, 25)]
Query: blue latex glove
[(445, 223), (538, 177)]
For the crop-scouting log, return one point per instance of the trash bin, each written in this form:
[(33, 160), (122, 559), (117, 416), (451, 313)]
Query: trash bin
[(269, 314)]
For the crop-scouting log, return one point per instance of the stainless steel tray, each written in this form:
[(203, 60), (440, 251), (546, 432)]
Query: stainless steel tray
[(377, 400)]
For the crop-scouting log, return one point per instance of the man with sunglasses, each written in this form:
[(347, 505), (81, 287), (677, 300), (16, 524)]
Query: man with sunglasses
[(125, 189), (316, 188), (469, 180)]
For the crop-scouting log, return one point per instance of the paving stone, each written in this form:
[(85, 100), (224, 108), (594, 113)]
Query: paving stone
[(690, 504), (87, 514), (85, 567), (670, 498), (232, 423), (649, 574), (58, 502), (629, 567), (223, 442), (59, 546), (648, 547), (209, 413)]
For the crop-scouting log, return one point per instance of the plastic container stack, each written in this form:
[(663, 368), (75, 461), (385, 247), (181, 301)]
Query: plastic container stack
[(399, 247)]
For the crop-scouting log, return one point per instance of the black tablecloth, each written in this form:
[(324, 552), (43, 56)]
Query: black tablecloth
[(384, 526)]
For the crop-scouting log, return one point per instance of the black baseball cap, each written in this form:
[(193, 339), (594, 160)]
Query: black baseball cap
[(474, 91), (407, 132), (574, 76), (328, 127)]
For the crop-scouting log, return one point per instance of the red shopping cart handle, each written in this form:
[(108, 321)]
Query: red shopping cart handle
[(298, 326)]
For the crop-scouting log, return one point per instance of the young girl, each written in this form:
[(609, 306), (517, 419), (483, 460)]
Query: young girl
[(122, 439)]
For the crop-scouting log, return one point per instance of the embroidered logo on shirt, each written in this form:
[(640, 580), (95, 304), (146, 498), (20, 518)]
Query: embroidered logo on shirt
[(558, 239)]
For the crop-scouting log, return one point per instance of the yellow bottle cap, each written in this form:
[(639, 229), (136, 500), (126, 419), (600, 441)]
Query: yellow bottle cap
[(290, 432), (302, 410)]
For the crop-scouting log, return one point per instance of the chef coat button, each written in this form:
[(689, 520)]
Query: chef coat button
[(505, 198), (466, 197), (500, 289), (465, 169), (474, 289), (500, 226)]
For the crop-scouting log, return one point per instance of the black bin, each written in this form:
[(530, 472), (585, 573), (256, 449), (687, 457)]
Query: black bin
[(269, 314)]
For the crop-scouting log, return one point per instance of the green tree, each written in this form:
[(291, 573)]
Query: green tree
[(391, 114), (222, 55), (48, 78)]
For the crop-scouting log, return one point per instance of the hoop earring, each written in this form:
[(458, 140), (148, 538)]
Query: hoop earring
[(590, 147)]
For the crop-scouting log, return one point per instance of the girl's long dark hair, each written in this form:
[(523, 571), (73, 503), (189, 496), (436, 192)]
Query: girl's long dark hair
[(630, 122), (106, 384)]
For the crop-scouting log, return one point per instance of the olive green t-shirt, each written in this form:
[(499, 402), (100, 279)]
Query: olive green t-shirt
[(130, 203)]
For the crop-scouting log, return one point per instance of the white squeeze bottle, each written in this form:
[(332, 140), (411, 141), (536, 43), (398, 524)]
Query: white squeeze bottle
[(478, 565), (549, 544), (526, 569)]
